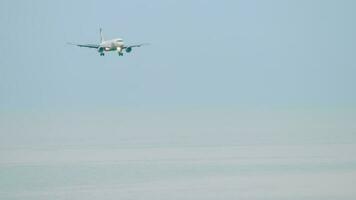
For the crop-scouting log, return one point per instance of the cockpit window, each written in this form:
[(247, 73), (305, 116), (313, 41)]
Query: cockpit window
[(118, 40)]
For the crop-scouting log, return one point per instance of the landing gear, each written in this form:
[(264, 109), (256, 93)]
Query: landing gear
[(121, 54), (102, 54)]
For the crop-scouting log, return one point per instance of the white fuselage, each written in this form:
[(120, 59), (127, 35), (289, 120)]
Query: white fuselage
[(112, 45)]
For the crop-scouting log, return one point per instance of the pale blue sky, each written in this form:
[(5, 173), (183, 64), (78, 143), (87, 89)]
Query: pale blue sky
[(274, 69)]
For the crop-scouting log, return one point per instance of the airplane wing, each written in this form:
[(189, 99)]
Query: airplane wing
[(94, 46), (136, 45)]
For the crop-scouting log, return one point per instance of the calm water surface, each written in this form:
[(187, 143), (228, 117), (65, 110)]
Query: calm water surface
[(180, 172)]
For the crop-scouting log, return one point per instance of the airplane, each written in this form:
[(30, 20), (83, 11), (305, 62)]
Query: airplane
[(116, 44)]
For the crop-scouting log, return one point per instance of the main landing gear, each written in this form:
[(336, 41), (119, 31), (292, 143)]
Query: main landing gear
[(120, 53), (102, 54)]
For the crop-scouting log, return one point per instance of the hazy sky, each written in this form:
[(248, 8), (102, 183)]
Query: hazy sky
[(216, 70)]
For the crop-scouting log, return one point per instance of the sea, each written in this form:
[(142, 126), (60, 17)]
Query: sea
[(179, 172)]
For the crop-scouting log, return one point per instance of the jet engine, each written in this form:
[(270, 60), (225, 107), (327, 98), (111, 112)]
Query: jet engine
[(101, 51), (128, 49)]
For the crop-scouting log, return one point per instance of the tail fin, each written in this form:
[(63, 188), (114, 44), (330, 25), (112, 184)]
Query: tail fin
[(101, 36)]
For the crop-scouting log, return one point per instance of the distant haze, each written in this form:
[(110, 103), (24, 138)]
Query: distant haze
[(222, 72), (248, 99)]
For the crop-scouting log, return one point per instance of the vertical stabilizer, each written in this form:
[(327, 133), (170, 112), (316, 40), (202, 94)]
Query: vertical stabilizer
[(101, 36)]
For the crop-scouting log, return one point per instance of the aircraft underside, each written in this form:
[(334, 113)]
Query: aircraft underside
[(118, 49)]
